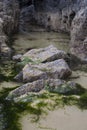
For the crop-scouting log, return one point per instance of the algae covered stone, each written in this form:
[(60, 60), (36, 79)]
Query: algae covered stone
[(47, 54), (63, 87), (35, 86), (55, 69)]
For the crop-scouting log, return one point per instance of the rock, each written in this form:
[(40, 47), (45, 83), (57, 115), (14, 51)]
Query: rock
[(27, 18), (19, 77), (79, 34), (51, 85), (1, 26), (17, 57), (9, 20), (32, 73), (11, 16), (4, 49), (51, 14), (65, 15), (35, 86), (47, 54), (63, 87), (55, 69), (25, 3), (54, 82)]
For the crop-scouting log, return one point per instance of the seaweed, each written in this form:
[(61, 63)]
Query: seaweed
[(35, 104)]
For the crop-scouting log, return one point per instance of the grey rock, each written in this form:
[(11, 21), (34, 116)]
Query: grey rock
[(79, 34), (65, 15), (47, 54), (4, 49), (27, 18), (51, 85), (55, 69), (35, 86), (17, 57), (53, 15), (63, 87), (11, 16), (9, 20), (19, 77), (54, 82)]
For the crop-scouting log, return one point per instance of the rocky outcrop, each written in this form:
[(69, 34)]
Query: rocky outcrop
[(79, 34), (58, 15), (9, 15), (27, 18), (53, 15), (66, 15)]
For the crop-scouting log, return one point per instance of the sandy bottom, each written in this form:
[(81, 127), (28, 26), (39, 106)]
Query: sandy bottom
[(70, 118), (82, 78), (10, 84)]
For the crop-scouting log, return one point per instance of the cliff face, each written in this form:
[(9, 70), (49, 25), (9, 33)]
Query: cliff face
[(9, 19), (79, 34), (66, 15), (54, 14)]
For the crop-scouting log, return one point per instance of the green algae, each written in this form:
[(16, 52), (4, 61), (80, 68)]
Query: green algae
[(67, 89), (25, 61), (83, 101), (9, 111), (7, 71), (36, 104)]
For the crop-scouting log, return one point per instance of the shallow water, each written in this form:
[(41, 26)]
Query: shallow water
[(41, 39)]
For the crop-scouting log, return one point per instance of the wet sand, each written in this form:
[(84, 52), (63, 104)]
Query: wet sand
[(70, 118), (9, 84), (82, 78)]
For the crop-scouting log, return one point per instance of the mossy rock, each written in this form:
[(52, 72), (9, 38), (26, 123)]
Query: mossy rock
[(69, 88), (83, 101)]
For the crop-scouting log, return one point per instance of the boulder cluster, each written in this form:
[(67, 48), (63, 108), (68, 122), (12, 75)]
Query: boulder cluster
[(45, 69)]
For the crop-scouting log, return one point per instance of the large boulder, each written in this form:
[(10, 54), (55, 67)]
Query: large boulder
[(47, 54), (9, 20), (63, 87), (11, 16), (55, 69), (51, 85), (35, 86)]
